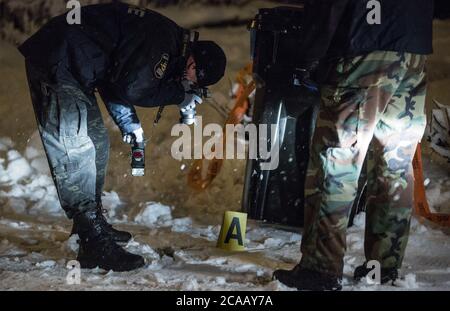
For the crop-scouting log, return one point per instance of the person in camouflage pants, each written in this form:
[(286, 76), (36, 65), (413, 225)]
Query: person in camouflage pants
[(373, 104), (76, 143)]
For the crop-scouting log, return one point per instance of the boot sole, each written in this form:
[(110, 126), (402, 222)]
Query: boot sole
[(289, 282), (122, 241), (89, 264)]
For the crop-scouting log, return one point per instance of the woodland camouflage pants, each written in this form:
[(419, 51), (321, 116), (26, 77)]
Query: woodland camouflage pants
[(372, 104)]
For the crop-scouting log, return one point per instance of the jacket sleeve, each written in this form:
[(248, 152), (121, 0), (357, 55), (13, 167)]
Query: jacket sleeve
[(123, 113), (322, 18)]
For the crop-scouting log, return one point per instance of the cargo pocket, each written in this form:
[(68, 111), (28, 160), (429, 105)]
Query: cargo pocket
[(340, 115), (72, 112), (73, 128), (46, 109), (76, 180)]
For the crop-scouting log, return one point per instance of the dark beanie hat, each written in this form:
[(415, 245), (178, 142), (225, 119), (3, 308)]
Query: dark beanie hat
[(210, 62)]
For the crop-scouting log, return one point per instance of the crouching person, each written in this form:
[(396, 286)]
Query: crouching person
[(133, 57)]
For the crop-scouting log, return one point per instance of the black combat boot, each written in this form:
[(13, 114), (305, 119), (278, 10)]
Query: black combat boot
[(97, 247), (116, 235), (387, 274), (305, 279)]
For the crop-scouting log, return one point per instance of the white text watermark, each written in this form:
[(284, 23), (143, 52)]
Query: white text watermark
[(263, 142)]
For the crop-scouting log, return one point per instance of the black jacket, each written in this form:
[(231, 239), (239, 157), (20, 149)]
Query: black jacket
[(337, 28), (442, 9), (132, 56)]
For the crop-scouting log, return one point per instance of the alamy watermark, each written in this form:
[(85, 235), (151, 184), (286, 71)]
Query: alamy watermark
[(74, 15), (374, 15), (73, 277), (374, 275), (263, 142)]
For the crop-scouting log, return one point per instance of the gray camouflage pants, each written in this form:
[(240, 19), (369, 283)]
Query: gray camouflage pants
[(74, 137)]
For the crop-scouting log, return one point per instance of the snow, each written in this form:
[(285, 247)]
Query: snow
[(6, 143), (25, 185), (111, 203), (437, 185), (154, 214), (409, 282), (186, 260), (71, 244), (18, 167), (180, 252), (175, 229), (46, 264)]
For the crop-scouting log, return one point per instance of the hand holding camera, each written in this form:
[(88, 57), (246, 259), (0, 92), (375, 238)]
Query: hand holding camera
[(192, 98)]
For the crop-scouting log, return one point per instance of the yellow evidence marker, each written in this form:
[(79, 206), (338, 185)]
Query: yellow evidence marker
[(232, 233)]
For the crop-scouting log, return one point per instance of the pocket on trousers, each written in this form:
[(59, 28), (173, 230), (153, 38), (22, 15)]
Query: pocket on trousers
[(46, 108), (76, 174), (72, 112), (341, 113)]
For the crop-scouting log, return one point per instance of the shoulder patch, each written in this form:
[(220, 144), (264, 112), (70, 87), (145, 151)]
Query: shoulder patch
[(161, 66)]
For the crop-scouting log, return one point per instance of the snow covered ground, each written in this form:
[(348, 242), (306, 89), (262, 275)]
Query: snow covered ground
[(175, 228), (181, 253)]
